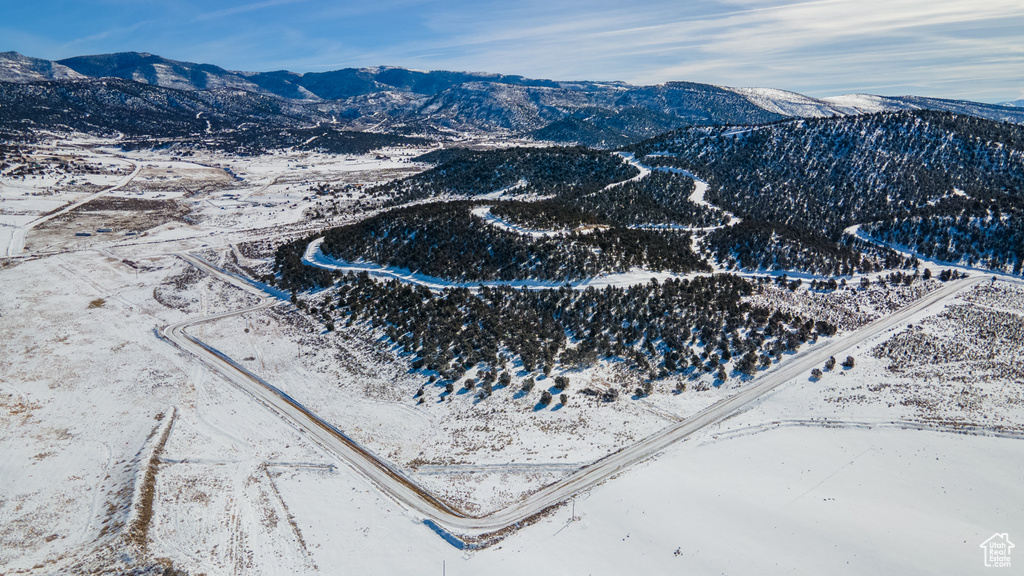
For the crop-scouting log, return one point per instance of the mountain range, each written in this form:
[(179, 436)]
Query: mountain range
[(603, 114)]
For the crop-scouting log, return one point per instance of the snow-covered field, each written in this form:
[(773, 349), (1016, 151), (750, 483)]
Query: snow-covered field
[(119, 451), (783, 501)]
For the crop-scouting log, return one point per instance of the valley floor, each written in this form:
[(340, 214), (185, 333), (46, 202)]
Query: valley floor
[(123, 453)]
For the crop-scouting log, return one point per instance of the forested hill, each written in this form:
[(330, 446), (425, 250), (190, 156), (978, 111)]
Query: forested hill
[(113, 105), (444, 240), (540, 170), (827, 174), (946, 186)]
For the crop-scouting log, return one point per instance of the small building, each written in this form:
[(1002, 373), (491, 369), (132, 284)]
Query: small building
[(83, 234)]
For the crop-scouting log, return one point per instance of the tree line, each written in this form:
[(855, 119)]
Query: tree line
[(678, 326)]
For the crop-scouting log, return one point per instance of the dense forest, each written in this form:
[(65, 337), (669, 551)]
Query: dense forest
[(986, 231), (446, 240), (541, 171), (826, 174), (660, 198), (441, 155), (657, 328), (752, 245), (554, 214)]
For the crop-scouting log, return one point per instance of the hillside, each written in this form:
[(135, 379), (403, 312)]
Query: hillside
[(530, 170), (445, 240), (133, 108), (825, 175)]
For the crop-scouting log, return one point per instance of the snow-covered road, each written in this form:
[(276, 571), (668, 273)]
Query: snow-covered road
[(856, 232), (314, 256), (452, 522), (17, 242)]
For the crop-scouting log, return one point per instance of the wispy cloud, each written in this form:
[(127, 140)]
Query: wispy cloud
[(818, 46), (112, 32), (236, 10)]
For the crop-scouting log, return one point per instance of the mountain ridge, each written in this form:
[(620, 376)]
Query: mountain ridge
[(601, 114)]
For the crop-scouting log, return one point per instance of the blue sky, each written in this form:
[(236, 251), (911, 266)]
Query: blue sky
[(946, 48)]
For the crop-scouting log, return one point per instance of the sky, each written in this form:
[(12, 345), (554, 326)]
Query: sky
[(965, 49)]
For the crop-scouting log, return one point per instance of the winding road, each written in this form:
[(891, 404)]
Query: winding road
[(464, 527)]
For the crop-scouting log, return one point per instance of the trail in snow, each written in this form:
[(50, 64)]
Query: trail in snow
[(628, 157), (499, 193), (314, 256), (484, 213), (697, 197), (856, 232)]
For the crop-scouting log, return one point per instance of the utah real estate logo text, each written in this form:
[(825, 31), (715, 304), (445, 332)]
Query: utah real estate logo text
[(997, 550)]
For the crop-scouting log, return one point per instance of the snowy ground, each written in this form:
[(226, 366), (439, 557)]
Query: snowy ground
[(902, 465), (782, 501)]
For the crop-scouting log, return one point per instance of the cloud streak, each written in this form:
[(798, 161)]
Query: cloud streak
[(237, 10), (906, 45)]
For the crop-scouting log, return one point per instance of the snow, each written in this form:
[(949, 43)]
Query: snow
[(628, 157), (788, 103), (827, 500), (926, 261), (504, 191), (797, 105), (315, 257), (17, 68), (697, 196), (834, 476), (484, 213), (866, 103)]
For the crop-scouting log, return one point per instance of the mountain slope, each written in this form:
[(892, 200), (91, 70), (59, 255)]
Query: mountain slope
[(885, 172), (829, 173), (17, 68), (604, 114), (333, 85), (135, 109), (149, 69)]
